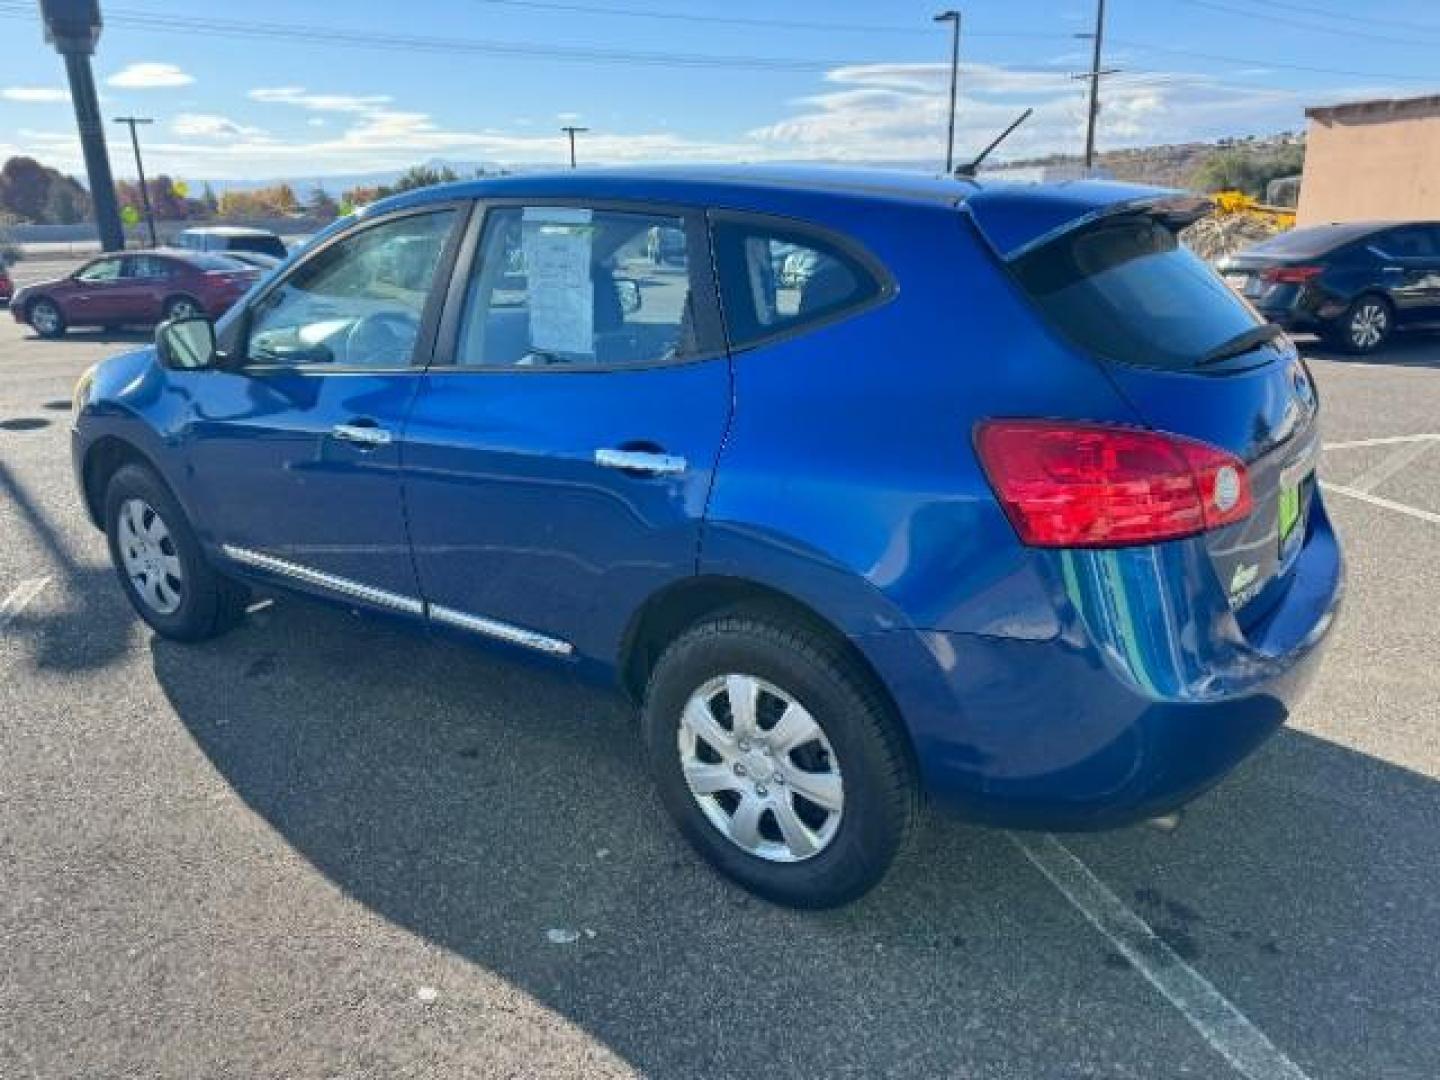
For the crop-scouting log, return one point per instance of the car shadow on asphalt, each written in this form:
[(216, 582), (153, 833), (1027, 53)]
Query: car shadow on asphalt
[(479, 804), (96, 625), (124, 335), (1420, 348)]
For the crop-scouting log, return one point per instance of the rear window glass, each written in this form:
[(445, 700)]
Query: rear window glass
[(1126, 289), (265, 245), (1303, 243), (777, 279)]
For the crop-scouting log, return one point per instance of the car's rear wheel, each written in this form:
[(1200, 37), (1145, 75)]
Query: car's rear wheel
[(1365, 326), (182, 307), (779, 760), (161, 566), (45, 318)]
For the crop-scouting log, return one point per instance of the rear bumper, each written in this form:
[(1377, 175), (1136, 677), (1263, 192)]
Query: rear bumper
[(1147, 697)]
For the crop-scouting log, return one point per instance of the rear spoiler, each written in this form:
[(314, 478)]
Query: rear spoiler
[(1016, 219)]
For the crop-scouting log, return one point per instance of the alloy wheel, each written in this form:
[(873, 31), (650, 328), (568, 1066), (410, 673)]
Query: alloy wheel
[(183, 309), (1368, 325), (44, 317), (150, 558), (761, 768)]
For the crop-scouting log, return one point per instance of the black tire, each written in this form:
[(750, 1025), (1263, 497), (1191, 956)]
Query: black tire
[(182, 307), (209, 604), (1365, 327), (881, 794), (51, 317)]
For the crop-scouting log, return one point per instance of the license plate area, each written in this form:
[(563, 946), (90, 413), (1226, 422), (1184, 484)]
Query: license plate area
[(1294, 499)]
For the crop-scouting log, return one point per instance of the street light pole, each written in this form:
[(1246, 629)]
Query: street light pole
[(953, 18), (571, 130), (73, 27), (132, 121)]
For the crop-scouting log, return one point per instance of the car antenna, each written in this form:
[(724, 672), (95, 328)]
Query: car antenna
[(967, 171)]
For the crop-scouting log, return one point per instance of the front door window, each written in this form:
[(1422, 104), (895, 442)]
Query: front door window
[(359, 302)]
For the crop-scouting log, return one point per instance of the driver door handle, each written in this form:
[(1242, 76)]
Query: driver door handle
[(640, 462), (362, 434)]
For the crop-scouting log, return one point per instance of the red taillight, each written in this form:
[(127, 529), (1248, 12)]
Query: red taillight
[(1090, 485), (1291, 275)]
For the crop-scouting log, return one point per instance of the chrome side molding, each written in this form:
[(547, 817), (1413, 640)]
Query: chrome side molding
[(410, 605), (516, 635), (344, 586)]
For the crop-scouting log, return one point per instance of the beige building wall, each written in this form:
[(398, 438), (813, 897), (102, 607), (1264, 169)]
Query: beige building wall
[(1372, 161)]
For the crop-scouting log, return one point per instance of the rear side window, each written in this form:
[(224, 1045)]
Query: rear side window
[(1127, 290), (1409, 242), (570, 287), (777, 278)]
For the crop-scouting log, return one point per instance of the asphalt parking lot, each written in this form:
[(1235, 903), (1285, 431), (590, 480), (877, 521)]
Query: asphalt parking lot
[(322, 847)]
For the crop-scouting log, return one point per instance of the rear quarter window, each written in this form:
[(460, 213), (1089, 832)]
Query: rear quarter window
[(1127, 290), (778, 278)]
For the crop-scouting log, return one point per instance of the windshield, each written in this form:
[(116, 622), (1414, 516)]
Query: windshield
[(1127, 290)]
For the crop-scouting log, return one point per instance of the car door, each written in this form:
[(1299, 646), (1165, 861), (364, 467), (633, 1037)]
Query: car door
[(138, 294), (92, 299), (295, 447), (1410, 258), (560, 452)]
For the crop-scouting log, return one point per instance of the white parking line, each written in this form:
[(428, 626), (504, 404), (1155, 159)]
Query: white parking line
[(1388, 440), (1377, 500), (1392, 465), (1209, 1012), (19, 597)]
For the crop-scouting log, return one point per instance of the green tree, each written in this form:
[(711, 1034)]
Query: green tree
[(1238, 168), (320, 205)]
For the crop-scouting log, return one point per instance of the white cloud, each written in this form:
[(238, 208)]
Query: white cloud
[(36, 95), (212, 126), (891, 113), (299, 96), (150, 76), (567, 117)]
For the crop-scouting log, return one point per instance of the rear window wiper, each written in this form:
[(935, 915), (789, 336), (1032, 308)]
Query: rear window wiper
[(1241, 344)]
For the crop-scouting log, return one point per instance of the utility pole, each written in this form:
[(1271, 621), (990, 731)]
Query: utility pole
[(132, 121), (1096, 74), (73, 27), (571, 130), (952, 17)]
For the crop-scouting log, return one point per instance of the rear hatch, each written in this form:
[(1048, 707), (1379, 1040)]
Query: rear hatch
[(1188, 354)]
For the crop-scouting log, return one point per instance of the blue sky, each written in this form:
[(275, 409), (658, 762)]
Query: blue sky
[(274, 89)]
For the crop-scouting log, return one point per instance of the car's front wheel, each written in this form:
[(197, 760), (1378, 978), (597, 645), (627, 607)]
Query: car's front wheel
[(1365, 326), (161, 566), (45, 318), (779, 760)]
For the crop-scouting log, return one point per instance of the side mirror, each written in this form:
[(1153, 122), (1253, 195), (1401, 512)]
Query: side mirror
[(187, 344)]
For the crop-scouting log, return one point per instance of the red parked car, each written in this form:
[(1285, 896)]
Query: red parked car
[(134, 287), (7, 287)]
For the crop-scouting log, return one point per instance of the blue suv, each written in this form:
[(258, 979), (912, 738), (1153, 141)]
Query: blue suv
[(876, 490)]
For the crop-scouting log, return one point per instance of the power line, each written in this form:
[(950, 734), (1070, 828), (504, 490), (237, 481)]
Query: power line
[(1268, 62), (334, 36), (1358, 20), (1295, 24), (737, 20), (312, 36)]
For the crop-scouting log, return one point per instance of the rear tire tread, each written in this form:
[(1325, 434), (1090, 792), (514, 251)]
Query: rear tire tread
[(898, 795)]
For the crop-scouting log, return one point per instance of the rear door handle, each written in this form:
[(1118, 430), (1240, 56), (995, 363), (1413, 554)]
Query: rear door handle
[(361, 434), (642, 462)]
